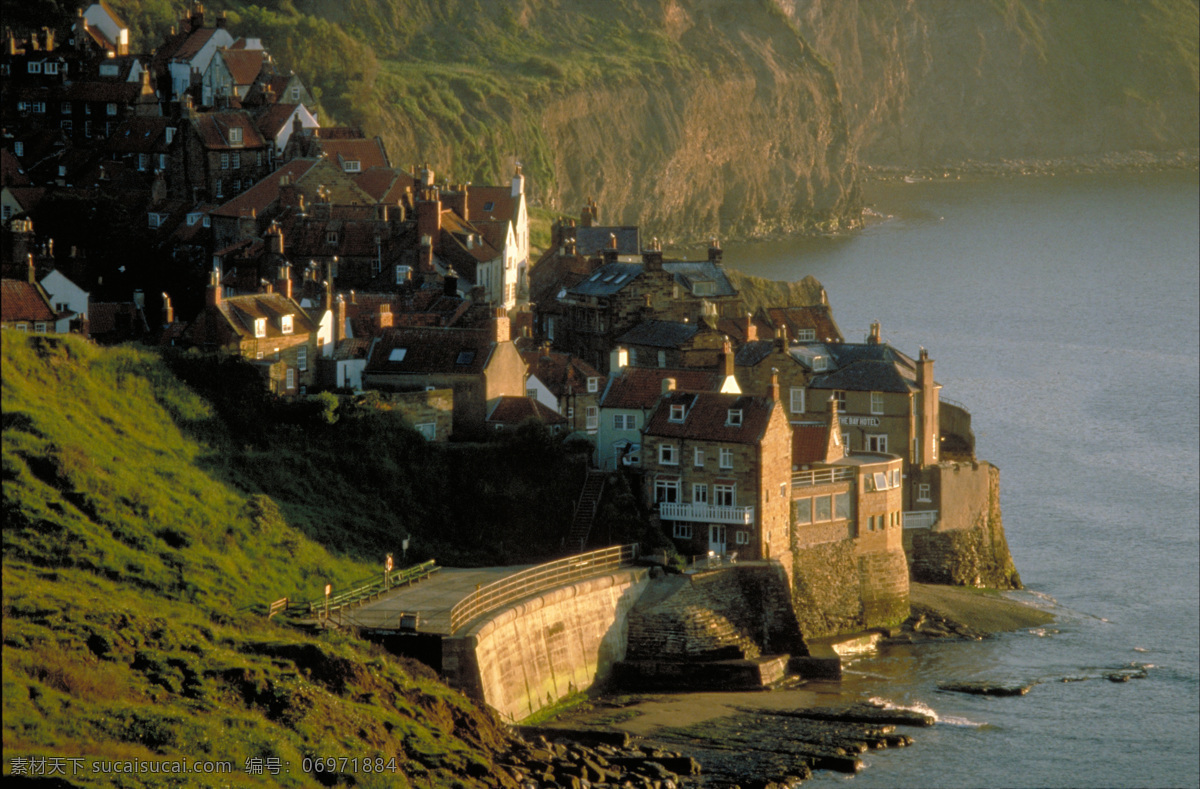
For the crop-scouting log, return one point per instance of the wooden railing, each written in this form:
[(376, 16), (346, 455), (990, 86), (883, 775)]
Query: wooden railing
[(363, 593), (706, 513), (822, 476), (538, 579)]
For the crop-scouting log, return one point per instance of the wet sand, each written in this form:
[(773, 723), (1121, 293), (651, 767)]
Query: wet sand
[(983, 610)]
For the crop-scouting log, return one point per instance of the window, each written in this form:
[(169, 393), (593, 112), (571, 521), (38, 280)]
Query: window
[(224, 161), (699, 493), (331, 237), (260, 327), (846, 440), (162, 161), (704, 288), (668, 455), (742, 537), (352, 166), (295, 94), (465, 357), (734, 419), (803, 510), (291, 378), (681, 531), (111, 109), (923, 492), (531, 394), (65, 108), (797, 399), (698, 458), (39, 107), (623, 422), (726, 457), (724, 495), (220, 188), (143, 160), (258, 355), (22, 327), (19, 148), (302, 358), (109, 70), (285, 324), (428, 430), (236, 161), (66, 126), (666, 491), (39, 327), (841, 506), (876, 402), (593, 385), (821, 509), (895, 478), (676, 413), (881, 480), (235, 136), (806, 335), (593, 417), (35, 68), (51, 68), (877, 443)]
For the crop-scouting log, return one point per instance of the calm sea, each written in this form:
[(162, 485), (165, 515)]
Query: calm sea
[(1063, 313)]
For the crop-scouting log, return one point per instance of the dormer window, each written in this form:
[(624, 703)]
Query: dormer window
[(806, 335), (397, 354), (677, 413), (235, 136), (331, 237), (285, 324), (108, 70), (260, 327), (735, 417), (593, 385), (352, 166), (704, 288)]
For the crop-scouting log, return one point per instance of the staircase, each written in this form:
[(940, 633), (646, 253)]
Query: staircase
[(585, 510)]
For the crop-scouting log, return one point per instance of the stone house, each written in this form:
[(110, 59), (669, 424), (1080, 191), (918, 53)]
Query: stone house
[(718, 472), (283, 88), (269, 329), (230, 74), (619, 295), (223, 154), (657, 343), (794, 365), (25, 306), (278, 121), (479, 365), (566, 385)]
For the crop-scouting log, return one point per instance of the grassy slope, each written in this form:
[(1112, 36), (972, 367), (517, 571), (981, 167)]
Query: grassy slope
[(129, 563)]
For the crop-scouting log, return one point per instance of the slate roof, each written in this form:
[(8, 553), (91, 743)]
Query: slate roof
[(513, 410), (213, 129), (352, 348), (429, 351), (274, 117), (688, 272), (140, 135), (24, 301), (115, 92), (607, 280), (706, 417), (862, 367), (116, 320), (260, 196), (233, 319), (641, 387), (660, 334)]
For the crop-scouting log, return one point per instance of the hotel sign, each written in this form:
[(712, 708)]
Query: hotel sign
[(858, 421)]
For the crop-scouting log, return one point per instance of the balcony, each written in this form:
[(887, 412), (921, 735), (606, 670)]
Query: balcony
[(822, 476), (920, 519), (704, 513)]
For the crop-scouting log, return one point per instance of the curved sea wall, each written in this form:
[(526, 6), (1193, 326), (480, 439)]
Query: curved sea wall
[(967, 545), (838, 588)]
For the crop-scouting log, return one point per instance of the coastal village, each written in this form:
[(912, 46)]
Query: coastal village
[(751, 435)]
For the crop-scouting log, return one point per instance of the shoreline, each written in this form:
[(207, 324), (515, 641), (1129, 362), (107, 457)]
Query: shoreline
[(698, 724)]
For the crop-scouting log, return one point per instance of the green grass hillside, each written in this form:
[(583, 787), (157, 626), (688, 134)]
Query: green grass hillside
[(141, 534)]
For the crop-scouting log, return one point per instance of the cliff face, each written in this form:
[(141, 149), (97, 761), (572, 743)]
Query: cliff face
[(939, 83)]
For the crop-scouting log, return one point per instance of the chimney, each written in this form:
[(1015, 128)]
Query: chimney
[(221, 21), (618, 359), (500, 328), (518, 183), (212, 296), (834, 448), (781, 338), (456, 201), (610, 251), (587, 217), (426, 176), (284, 277), (425, 255), (30, 269), (429, 214), (652, 255), (545, 350), (168, 312), (873, 338), (727, 359), (751, 330), (339, 320), (774, 393), (714, 251), (275, 239), (450, 283), (668, 385), (385, 316)]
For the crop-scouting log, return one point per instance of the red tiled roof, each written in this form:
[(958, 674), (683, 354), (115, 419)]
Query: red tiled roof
[(27, 196), (195, 41), (23, 301), (641, 387), (384, 184), (513, 410), (273, 119), (809, 443), (368, 153), (819, 318), (558, 371), (707, 417), (260, 196), (214, 127), (339, 133), (243, 64), (113, 92), (11, 173), (491, 202), (233, 319)]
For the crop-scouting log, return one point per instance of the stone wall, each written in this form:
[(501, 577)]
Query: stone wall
[(837, 588), (533, 654), (967, 546), (740, 608)]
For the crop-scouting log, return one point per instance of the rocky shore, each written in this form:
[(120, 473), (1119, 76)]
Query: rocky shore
[(1119, 162), (756, 740)]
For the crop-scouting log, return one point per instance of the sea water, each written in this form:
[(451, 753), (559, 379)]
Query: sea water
[(1064, 313)]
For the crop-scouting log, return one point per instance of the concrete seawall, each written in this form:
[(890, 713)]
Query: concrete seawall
[(528, 656)]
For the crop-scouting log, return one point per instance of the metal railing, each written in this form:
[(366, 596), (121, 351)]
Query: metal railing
[(920, 519), (538, 579), (743, 516), (822, 476), (360, 594)]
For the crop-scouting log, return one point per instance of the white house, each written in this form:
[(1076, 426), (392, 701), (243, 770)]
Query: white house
[(69, 300)]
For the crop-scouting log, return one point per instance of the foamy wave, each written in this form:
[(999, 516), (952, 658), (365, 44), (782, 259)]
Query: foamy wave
[(924, 709)]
